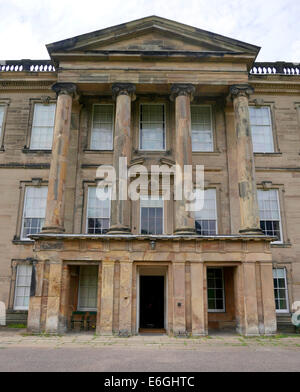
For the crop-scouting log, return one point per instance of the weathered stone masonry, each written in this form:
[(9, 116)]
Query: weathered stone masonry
[(148, 61)]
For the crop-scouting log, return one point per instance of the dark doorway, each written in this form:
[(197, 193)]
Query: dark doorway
[(152, 302)]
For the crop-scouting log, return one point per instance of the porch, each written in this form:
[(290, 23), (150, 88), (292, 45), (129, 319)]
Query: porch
[(189, 292)]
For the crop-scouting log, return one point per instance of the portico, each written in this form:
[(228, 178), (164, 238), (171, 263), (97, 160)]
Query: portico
[(90, 73)]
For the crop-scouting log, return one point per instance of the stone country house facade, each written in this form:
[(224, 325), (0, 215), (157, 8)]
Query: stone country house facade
[(158, 93)]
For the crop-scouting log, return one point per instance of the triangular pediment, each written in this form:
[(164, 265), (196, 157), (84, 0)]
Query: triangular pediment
[(151, 34)]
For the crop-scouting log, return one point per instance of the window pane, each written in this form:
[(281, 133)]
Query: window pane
[(102, 127), (1, 118), (261, 126), (22, 288), (151, 215), (215, 292), (98, 210), (206, 218), (202, 133), (269, 212), (42, 127), (280, 289), (152, 127), (88, 286), (34, 210)]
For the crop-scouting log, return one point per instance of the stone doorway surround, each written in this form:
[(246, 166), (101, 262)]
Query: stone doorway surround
[(154, 270)]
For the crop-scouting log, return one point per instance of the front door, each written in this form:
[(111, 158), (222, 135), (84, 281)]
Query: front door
[(152, 307)]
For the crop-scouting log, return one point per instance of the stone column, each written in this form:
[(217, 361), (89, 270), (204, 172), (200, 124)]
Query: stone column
[(125, 298), (231, 139), (107, 298), (120, 209), (35, 303), (249, 323), (53, 324), (54, 222), (268, 300), (182, 94), (179, 319), (250, 223), (199, 300)]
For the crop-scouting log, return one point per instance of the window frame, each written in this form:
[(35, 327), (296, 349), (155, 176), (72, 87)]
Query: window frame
[(223, 290), (287, 310), (85, 309), (16, 287), (87, 206), (163, 213), (281, 241), (32, 102), (210, 106), (272, 125), (216, 210), (164, 130), (35, 103), (22, 238), (5, 104), (92, 122)]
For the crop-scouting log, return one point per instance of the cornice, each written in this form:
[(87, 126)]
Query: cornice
[(26, 84)]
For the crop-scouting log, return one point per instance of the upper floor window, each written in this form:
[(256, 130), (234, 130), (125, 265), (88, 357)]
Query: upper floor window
[(280, 290), (34, 210), (88, 285), (42, 126), (22, 288), (261, 126), (2, 109), (215, 290), (152, 127), (98, 210), (202, 131), (152, 211), (102, 127), (269, 210), (206, 219)]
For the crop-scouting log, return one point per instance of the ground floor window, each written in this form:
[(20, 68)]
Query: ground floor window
[(22, 288), (215, 290), (280, 290), (88, 287)]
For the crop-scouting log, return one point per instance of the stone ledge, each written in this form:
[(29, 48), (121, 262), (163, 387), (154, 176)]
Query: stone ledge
[(48, 236)]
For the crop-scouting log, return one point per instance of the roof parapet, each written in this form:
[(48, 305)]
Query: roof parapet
[(275, 68)]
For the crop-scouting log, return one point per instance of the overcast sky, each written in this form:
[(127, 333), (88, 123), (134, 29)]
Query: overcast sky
[(27, 25)]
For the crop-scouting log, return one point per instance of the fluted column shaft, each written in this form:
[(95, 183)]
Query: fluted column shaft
[(182, 94), (250, 222), (120, 209), (54, 221)]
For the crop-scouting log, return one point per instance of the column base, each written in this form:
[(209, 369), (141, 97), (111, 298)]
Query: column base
[(181, 334), (53, 229), (124, 333), (119, 230), (252, 231), (185, 231)]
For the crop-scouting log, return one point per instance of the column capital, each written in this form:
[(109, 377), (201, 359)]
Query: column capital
[(241, 90), (124, 89), (65, 89), (182, 89)]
